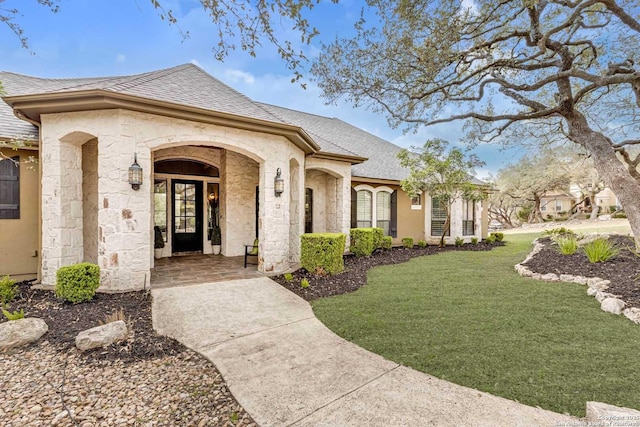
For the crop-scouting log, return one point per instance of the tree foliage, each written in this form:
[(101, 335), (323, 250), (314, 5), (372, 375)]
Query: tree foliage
[(561, 67), (445, 173), (9, 15)]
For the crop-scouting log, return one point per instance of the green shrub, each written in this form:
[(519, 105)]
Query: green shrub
[(422, 243), (491, 239), (459, 241), (499, 236), (600, 250), (474, 240), (378, 234), (8, 290), (77, 283), (407, 242), (387, 242), (567, 245), (323, 251), (619, 215), (561, 231), (16, 315), (304, 283), (288, 277), (363, 241)]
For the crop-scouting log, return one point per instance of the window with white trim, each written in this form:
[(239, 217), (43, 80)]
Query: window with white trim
[(468, 217), (383, 211), (438, 217), (365, 201), (558, 205), (10, 188), (416, 202)]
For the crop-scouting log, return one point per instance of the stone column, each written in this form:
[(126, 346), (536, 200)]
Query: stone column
[(62, 215), (274, 219)]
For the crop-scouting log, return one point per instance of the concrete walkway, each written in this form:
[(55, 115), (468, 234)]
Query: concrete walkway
[(287, 369)]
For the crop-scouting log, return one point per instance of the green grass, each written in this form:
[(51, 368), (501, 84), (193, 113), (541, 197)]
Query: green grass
[(467, 317)]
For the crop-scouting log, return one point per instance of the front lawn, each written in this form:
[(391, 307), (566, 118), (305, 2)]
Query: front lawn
[(467, 317)]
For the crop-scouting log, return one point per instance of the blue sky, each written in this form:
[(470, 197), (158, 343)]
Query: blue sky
[(88, 38)]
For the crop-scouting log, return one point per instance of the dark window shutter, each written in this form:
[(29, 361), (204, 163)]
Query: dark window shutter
[(10, 188), (393, 226), (354, 208)]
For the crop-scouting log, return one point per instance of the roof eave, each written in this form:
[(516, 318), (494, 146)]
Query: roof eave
[(32, 106), (354, 160)]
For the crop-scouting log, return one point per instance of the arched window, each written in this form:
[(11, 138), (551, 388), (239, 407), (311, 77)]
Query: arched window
[(383, 211), (365, 202)]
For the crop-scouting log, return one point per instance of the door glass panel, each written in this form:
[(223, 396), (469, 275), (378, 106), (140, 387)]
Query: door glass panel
[(185, 208), (160, 206), (190, 225)]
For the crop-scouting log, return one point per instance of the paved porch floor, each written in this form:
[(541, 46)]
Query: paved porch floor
[(194, 269)]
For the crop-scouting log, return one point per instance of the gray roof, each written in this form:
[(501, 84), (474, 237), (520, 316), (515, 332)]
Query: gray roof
[(191, 86)]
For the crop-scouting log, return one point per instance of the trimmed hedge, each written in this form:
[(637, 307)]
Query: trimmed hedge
[(78, 282), (365, 240), (322, 252), (407, 242), (387, 242)]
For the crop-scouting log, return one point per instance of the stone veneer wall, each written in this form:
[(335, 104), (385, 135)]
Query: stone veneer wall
[(316, 180), (456, 222), (90, 200)]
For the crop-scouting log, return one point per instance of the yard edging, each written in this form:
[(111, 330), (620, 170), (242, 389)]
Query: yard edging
[(596, 286)]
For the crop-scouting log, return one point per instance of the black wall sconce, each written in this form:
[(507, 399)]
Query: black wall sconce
[(135, 173)]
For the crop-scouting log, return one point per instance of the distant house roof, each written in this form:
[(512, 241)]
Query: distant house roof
[(191, 87), (557, 194)]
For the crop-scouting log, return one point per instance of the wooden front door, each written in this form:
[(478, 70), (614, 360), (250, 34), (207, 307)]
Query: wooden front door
[(186, 198)]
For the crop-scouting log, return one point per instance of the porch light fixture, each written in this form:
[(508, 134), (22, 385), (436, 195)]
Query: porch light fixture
[(135, 173), (278, 184)]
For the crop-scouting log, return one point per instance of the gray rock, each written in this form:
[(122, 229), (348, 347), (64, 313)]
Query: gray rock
[(580, 280), (632, 314), (536, 276), (567, 278), (612, 305), (601, 296), (604, 413), (602, 285), (550, 277), (593, 280), (20, 332), (592, 292), (101, 335)]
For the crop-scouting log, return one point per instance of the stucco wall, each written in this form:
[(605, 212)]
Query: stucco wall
[(410, 221), (19, 237)]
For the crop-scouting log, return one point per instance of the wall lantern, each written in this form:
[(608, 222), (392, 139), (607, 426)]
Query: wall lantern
[(278, 184), (135, 173)]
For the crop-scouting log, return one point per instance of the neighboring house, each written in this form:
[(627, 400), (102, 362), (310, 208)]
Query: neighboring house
[(556, 203), (208, 156)]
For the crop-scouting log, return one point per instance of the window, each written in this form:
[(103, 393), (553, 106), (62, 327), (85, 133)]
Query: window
[(383, 211), (308, 210), (416, 202), (543, 208), (558, 205), (364, 208), (160, 206), (438, 216), (10, 188), (468, 217)]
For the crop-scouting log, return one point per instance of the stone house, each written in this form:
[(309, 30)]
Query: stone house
[(207, 157)]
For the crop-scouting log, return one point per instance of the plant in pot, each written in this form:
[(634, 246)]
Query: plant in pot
[(216, 239), (158, 242)]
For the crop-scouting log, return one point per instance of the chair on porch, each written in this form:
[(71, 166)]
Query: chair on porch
[(251, 250)]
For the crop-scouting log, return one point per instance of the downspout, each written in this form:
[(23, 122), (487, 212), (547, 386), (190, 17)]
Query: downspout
[(21, 116)]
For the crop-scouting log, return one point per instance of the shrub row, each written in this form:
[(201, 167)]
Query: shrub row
[(322, 252)]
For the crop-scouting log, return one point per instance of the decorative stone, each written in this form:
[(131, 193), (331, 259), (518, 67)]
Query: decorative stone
[(550, 277), (101, 335), (606, 414), (601, 296), (612, 305), (536, 276), (567, 278), (592, 292), (632, 314), (593, 280), (20, 332), (580, 280), (602, 285)]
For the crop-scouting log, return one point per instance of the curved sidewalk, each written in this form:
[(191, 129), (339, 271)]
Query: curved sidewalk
[(287, 369)]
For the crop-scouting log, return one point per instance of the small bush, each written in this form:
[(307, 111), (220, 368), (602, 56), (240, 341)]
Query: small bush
[(619, 215), (378, 234), (8, 290), (77, 283), (600, 250), (288, 277), (567, 245), (323, 250), (499, 236), (459, 241), (16, 315), (407, 242), (561, 231), (304, 283), (422, 243), (387, 242), (491, 239), (474, 240), (362, 241)]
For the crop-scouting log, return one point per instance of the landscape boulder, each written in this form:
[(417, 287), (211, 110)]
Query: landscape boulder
[(21, 332), (612, 305), (604, 414), (632, 314), (101, 335)]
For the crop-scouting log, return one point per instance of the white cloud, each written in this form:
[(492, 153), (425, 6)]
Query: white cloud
[(121, 58), (236, 76)]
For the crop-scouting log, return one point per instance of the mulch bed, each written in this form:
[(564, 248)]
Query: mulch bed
[(65, 320), (623, 270), (354, 275)]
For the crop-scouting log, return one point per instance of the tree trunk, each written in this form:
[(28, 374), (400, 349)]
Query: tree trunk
[(595, 209), (610, 169), (536, 212), (446, 227)]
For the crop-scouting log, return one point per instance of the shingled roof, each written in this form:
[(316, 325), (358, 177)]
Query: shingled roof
[(190, 86)]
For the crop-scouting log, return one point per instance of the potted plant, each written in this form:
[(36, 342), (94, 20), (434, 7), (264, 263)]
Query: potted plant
[(216, 239), (158, 242)]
